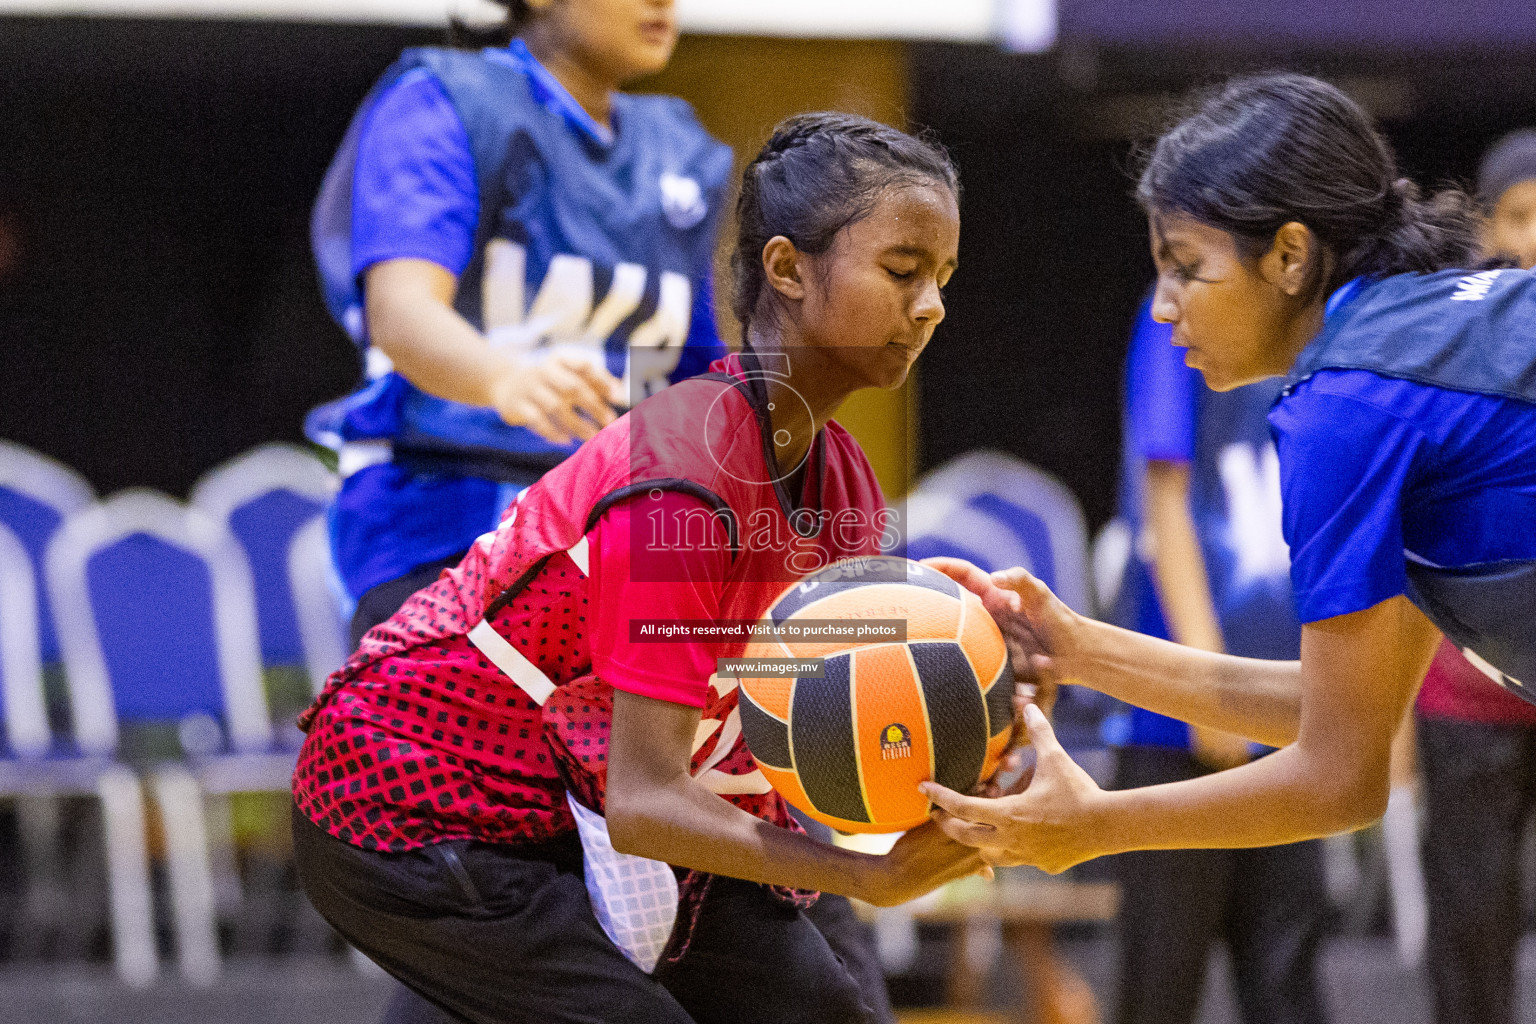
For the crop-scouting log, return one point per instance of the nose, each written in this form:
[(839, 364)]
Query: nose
[(929, 308), (1164, 309)]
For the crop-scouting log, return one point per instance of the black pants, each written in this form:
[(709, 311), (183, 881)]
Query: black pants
[(505, 935), (1267, 904), (1479, 786), (851, 940)]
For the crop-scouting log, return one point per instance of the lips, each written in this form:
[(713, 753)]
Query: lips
[(656, 32)]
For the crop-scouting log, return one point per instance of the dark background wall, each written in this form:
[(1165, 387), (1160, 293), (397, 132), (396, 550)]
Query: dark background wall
[(160, 314)]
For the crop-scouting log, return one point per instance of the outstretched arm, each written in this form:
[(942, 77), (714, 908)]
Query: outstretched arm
[(1358, 673), (1254, 698)]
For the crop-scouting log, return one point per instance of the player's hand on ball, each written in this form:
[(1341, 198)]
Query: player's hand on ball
[(561, 398), (1052, 825), (1041, 631), (923, 859)]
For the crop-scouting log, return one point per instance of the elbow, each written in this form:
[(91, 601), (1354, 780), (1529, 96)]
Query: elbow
[(632, 828), (1352, 800)]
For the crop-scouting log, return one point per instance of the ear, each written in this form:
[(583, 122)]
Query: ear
[(1292, 260), (781, 268)]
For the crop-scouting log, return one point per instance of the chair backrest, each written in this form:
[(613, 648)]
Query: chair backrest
[(999, 511), (27, 733), (266, 497), (157, 622), (36, 494), (317, 600)]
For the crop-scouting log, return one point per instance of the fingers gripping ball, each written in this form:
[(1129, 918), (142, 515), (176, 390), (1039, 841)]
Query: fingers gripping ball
[(850, 748)]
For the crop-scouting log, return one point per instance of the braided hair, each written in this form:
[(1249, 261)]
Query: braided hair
[(1263, 151), (817, 174)]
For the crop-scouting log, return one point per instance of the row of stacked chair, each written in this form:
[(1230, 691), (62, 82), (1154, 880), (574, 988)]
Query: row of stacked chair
[(161, 613)]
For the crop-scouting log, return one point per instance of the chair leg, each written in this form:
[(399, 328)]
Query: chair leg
[(133, 930), (44, 903), (189, 873)]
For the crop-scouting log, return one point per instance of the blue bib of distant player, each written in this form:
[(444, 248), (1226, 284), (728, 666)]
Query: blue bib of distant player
[(1471, 332), (584, 245)]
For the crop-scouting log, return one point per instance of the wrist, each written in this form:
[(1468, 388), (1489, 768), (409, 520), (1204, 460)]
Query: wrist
[(1082, 645), (501, 379), (1111, 819)]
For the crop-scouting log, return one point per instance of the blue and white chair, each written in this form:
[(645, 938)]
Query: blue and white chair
[(36, 495), (37, 769), (267, 498), (998, 511), (157, 624), (318, 601)]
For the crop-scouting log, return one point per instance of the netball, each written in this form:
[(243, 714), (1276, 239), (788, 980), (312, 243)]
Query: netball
[(849, 747)]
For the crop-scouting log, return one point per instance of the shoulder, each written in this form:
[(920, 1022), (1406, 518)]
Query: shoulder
[(1335, 400), (853, 479), (409, 106), (695, 430), (668, 124), (481, 85)]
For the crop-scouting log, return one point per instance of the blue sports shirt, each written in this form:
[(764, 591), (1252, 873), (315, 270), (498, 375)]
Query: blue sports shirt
[(564, 235), (1171, 416), (1407, 441)]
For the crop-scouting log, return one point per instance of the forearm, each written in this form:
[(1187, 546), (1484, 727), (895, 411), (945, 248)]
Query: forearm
[(684, 824), (1178, 565), (1301, 795), (435, 348), (1254, 698)]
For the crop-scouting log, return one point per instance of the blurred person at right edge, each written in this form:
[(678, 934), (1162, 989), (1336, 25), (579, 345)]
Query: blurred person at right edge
[(1200, 490), (1476, 740)]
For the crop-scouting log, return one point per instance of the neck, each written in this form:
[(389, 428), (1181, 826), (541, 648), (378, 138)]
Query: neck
[(1307, 325), (802, 403), (589, 87)]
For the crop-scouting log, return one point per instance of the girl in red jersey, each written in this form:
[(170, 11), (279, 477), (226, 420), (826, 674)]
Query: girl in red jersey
[(449, 801)]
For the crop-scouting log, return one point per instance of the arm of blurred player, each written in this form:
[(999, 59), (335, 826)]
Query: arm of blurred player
[(1184, 591), (412, 320)]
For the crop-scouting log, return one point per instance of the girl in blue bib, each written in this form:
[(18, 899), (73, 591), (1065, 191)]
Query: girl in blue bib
[(1288, 246)]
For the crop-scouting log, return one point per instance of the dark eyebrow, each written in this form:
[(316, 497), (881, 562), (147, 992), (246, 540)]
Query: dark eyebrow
[(918, 252)]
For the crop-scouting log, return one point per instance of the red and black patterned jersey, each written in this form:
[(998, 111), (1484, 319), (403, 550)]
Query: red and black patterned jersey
[(470, 712)]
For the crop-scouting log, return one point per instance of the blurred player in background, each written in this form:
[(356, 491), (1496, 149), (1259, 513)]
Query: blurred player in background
[(508, 238), (1506, 185), (450, 798), (1286, 244), (518, 249), (1200, 491), (1477, 741)]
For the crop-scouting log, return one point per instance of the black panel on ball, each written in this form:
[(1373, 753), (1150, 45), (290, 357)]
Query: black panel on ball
[(957, 715), (1000, 699), (821, 731), (767, 737), (853, 573)]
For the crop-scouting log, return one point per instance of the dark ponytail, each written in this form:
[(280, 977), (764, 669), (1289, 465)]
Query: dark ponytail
[(1263, 151), (817, 174), (463, 34)]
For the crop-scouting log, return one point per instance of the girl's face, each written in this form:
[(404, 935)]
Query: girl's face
[(1512, 228), (624, 39), (1240, 319), (872, 300)]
